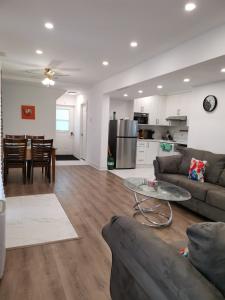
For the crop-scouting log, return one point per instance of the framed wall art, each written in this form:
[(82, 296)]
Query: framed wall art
[(28, 112)]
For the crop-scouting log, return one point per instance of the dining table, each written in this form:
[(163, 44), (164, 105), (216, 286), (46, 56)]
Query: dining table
[(53, 160)]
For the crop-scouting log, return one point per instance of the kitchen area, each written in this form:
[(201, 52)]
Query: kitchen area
[(144, 130)]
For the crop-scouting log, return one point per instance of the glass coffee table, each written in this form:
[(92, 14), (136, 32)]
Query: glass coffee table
[(163, 192)]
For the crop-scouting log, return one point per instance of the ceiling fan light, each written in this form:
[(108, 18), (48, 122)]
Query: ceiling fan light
[(45, 81), (48, 82)]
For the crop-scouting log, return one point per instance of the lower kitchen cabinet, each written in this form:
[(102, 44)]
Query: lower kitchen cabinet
[(151, 151), (140, 159), (147, 152)]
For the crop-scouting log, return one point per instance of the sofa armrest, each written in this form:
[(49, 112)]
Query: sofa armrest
[(144, 267), (156, 168)]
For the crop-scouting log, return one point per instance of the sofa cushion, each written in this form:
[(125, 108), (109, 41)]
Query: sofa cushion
[(222, 179), (197, 189), (216, 198), (187, 155), (215, 166), (207, 251), (169, 164)]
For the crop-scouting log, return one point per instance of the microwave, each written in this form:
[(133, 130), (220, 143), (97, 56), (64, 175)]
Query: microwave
[(142, 118)]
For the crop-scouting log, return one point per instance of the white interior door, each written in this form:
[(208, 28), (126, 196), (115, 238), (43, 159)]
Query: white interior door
[(64, 129), (83, 132)]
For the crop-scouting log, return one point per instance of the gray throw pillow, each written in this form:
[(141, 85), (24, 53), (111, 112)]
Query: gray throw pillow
[(207, 251), (169, 164)]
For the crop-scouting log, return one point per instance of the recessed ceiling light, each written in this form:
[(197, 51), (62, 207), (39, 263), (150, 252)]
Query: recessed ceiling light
[(38, 51), (105, 63), (190, 6), (223, 70), (159, 86), (71, 93), (49, 25), (134, 44), (140, 92), (187, 79), (125, 95)]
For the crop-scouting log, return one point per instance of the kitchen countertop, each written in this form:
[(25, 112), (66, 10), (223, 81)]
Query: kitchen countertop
[(162, 141)]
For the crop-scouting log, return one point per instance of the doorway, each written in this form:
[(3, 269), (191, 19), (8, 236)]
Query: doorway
[(64, 130)]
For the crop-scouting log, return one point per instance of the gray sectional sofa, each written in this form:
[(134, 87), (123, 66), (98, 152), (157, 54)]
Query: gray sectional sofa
[(208, 198), (146, 268)]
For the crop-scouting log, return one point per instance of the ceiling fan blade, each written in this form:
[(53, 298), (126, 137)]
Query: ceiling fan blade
[(55, 63), (71, 69), (21, 64), (33, 71)]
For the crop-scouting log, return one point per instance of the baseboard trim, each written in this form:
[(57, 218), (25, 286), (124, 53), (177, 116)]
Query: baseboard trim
[(96, 166)]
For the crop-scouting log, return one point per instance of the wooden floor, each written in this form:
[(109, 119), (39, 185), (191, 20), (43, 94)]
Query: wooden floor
[(78, 269)]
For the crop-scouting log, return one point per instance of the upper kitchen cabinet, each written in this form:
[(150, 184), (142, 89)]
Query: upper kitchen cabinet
[(177, 105), (155, 106), (141, 105)]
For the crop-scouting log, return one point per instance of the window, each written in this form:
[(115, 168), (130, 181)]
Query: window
[(62, 119)]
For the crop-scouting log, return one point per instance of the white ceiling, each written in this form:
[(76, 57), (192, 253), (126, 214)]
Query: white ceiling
[(199, 74), (90, 31)]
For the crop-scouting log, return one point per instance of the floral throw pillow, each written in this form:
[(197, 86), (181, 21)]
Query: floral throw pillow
[(197, 170)]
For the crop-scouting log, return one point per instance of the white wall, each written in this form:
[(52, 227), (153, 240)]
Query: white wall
[(15, 94), (206, 130), (187, 54), (123, 108)]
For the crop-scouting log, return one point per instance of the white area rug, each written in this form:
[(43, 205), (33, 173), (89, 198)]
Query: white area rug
[(36, 219), (138, 172)]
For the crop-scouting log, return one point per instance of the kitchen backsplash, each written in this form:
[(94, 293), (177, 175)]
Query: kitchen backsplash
[(178, 133)]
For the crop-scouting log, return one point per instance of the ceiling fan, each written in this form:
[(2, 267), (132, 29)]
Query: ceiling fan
[(48, 80)]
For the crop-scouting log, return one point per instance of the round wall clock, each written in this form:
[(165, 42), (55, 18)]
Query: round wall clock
[(210, 103)]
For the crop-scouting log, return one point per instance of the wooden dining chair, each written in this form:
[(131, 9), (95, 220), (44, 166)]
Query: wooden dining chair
[(14, 151), (20, 137), (41, 153), (35, 137)]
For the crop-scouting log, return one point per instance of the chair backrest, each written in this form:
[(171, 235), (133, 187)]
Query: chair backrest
[(41, 150), (35, 137), (14, 150), (20, 137)]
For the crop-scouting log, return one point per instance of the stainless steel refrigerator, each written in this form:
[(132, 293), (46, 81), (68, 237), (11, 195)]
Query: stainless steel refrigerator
[(123, 143)]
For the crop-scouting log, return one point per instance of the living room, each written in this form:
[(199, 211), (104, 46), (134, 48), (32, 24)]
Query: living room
[(155, 231)]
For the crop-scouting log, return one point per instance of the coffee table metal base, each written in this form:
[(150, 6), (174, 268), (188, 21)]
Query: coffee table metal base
[(155, 209)]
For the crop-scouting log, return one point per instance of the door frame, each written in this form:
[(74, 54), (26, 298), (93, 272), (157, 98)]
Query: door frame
[(73, 109), (82, 138)]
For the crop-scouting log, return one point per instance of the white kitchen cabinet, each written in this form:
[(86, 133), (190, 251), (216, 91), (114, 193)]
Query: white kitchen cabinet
[(140, 159), (141, 105), (146, 152), (155, 106), (152, 150)]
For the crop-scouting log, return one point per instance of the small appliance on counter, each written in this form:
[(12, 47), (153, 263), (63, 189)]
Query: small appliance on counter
[(168, 136), (141, 118), (123, 143), (149, 134), (141, 133)]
